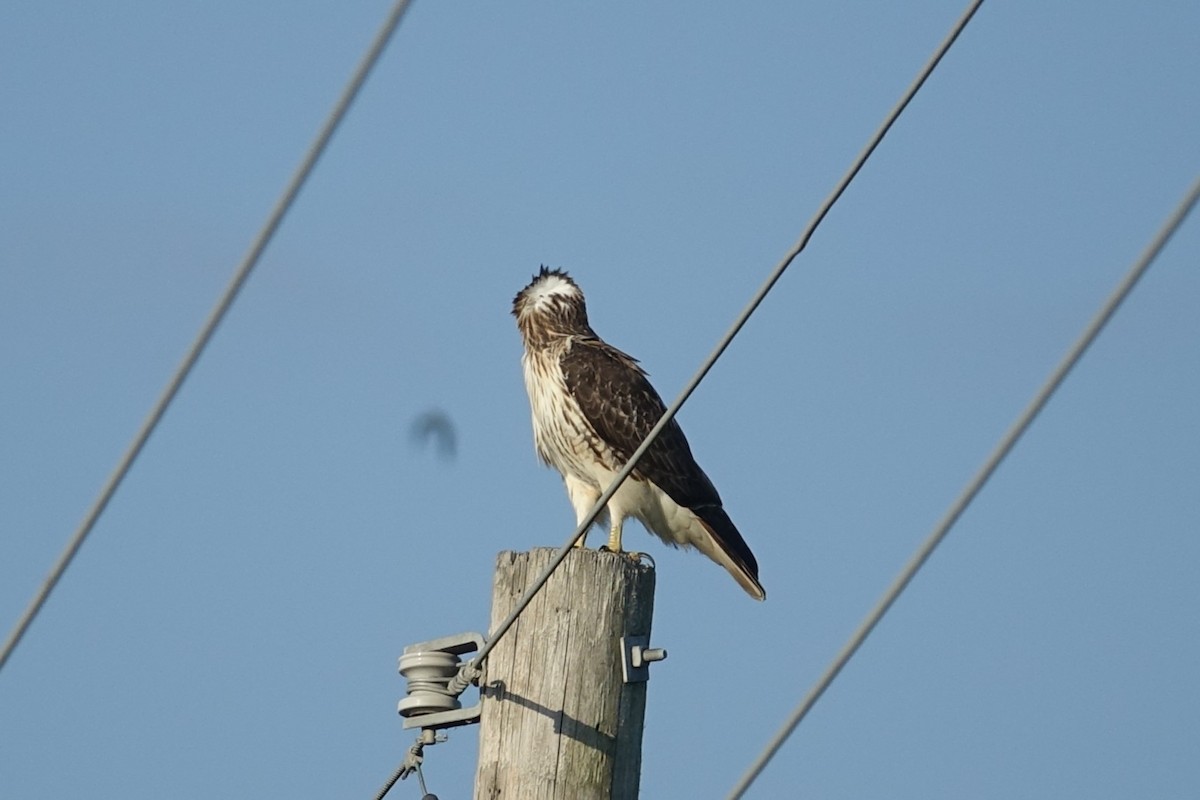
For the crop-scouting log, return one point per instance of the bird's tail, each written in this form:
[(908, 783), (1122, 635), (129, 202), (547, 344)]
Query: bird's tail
[(727, 547)]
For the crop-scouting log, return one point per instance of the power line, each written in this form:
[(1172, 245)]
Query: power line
[(250, 260), (725, 341), (387, 786), (1007, 442)]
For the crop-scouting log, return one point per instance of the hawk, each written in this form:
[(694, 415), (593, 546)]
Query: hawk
[(592, 407)]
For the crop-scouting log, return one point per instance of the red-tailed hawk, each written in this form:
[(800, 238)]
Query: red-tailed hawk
[(592, 407)]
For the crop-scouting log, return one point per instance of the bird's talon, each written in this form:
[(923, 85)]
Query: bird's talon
[(642, 558)]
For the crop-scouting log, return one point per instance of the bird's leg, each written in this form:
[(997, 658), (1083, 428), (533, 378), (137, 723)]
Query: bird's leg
[(613, 545), (614, 541), (581, 542), (614, 536)]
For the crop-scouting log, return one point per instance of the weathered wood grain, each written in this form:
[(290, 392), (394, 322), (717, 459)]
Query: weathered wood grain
[(558, 723)]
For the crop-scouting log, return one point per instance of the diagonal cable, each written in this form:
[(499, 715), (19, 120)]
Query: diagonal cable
[(725, 341), (1007, 442), (282, 206), (387, 786)]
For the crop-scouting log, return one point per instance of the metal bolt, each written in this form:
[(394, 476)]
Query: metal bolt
[(646, 655)]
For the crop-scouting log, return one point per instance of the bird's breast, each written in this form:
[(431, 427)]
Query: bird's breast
[(561, 434)]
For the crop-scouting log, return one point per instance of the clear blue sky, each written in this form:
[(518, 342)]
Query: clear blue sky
[(231, 627)]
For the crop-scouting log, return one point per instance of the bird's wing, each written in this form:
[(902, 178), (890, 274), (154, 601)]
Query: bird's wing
[(617, 400)]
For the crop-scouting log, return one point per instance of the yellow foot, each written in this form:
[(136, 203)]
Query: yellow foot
[(614, 540)]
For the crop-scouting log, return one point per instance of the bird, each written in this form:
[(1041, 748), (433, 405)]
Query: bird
[(592, 405)]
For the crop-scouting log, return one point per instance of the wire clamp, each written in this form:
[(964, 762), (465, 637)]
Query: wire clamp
[(636, 657), (436, 677), (416, 754)]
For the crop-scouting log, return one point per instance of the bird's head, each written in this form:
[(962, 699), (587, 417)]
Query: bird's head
[(551, 305)]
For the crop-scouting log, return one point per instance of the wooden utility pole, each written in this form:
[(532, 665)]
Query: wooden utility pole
[(558, 722)]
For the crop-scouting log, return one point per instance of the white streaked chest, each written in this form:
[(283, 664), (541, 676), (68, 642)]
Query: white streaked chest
[(563, 438)]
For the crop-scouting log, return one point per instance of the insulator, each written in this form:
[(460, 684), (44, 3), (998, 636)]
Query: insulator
[(429, 668), (427, 674)]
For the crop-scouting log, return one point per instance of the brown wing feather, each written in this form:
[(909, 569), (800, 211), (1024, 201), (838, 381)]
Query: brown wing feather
[(619, 403)]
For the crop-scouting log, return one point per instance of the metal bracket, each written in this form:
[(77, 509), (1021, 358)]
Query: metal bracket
[(428, 667), (636, 657)]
